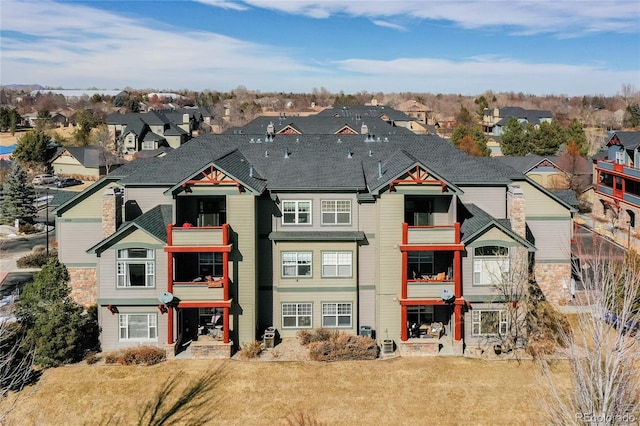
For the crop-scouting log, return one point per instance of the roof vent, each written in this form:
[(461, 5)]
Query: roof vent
[(370, 153), (349, 154), (339, 140), (259, 140), (297, 140), (252, 140), (286, 153), (386, 139), (266, 154), (250, 171)]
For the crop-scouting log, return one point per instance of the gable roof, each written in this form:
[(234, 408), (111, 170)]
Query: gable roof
[(154, 222), (91, 157), (478, 222), (533, 116), (629, 140)]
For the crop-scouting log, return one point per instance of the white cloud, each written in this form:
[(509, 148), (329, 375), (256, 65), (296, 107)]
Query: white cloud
[(387, 24), (523, 17), (223, 4)]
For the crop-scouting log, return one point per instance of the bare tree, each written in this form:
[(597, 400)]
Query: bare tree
[(16, 362), (602, 349), (109, 152)]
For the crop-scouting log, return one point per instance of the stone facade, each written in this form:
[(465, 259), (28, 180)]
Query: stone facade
[(111, 211), (550, 277), (616, 214), (516, 210), (210, 349), (84, 285)]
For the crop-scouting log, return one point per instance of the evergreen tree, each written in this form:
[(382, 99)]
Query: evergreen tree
[(33, 148), (471, 140), (18, 197), (632, 116), (546, 139), (575, 133), (59, 329), (464, 118), (514, 140)]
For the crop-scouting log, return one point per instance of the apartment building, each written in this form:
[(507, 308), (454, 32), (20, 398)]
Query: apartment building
[(230, 235)]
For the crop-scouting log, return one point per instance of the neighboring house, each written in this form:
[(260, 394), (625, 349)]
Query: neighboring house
[(421, 113), (556, 173), (617, 181), (306, 231), (153, 130), (376, 121), (495, 119), (84, 162)]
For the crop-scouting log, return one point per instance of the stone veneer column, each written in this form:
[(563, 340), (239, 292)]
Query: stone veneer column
[(111, 211), (516, 212), (84, 287)]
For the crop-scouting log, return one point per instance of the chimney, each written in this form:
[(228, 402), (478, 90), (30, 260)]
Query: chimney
[(111, 211), (516, 210)]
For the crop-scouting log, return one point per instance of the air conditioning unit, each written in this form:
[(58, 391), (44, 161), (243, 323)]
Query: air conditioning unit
[(387, 346)]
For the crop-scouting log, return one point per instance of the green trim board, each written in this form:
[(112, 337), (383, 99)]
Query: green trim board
[(81, 265), (79, 220), (140, 301)]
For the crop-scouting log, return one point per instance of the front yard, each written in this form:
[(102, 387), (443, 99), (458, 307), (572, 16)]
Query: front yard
[(418, 390)]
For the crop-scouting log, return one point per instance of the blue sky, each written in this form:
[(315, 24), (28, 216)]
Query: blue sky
[(467, 47)]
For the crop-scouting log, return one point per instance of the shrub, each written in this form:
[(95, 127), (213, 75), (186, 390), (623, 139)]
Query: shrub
[(547, 328), (112, 357), (250, 350), (317, 335), (36, 259), (27, 228), (91, 358), (342, 347), (145, 355)]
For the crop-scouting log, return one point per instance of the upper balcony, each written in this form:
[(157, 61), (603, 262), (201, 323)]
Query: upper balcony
[(430, 237), (197, 238), (612, 166)]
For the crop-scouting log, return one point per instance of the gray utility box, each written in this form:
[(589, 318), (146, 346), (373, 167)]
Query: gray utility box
[(387, 346), (365, 330), (269, 339)]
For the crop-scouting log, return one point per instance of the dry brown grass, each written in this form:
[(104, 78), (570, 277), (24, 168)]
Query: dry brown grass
[(420, 390)]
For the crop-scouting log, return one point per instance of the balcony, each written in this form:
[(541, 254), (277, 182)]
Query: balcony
[(196, 238), (431, 237), (202, 290), (618, 168), (427, 289)]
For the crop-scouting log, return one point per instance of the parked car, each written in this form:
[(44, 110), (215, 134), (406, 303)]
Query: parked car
[(68, 182), (44, 179), (631, 325)]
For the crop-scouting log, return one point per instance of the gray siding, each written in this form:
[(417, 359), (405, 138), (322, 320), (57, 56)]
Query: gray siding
[(147, 198), (490, 199), (107, 277), (109, 337), (553, 239), (316, 209), (75, 238)]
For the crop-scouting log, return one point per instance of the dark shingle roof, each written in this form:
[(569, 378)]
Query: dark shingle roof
[(92, 156), (533, 116), (630, 140), (324, 162)]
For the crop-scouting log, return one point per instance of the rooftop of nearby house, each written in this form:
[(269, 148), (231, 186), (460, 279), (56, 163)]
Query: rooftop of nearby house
[(630, 140), (527, 162), (91, 157)]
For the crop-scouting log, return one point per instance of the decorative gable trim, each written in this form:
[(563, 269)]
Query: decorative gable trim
[(346, 130), (418, 176), (213, 176), (289, 130)]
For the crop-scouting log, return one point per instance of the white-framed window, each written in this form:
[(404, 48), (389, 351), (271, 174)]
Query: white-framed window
[(336, 314), (210, 264), (296, 212), (337, 264), (420, 264), (148, 145), (138, 327), (296, 263), (136, 268), (336, 212), (490, 265), (489, 322), (620, 157), (297, 315)]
